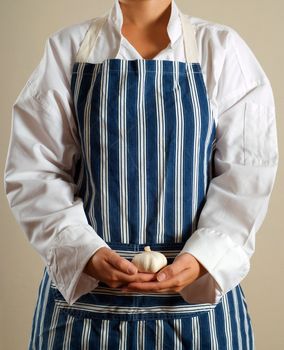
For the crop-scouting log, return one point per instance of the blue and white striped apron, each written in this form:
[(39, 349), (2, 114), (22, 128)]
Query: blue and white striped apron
[(147, 135)]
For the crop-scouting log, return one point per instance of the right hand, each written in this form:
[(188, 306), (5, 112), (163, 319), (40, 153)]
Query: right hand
[(109, 267)]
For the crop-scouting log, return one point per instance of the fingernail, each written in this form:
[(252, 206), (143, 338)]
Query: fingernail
[(132, 270), (161, 277)]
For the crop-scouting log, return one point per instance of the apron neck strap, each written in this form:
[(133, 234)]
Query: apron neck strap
[(89, 41), (189, 40)]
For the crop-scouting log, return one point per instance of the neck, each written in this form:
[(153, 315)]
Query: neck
[(153, 12)]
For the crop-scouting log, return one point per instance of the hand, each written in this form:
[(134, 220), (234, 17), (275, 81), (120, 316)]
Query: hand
[(184, 270), (109, 267)]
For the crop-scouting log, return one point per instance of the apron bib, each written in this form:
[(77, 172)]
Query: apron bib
[(147, 137)]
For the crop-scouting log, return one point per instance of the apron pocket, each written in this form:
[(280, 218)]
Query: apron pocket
[(112, 303)]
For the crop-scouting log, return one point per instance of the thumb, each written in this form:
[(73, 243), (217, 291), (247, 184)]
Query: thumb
[(171, 270)]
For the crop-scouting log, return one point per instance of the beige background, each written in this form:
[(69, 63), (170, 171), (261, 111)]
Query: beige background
[(25, 25)]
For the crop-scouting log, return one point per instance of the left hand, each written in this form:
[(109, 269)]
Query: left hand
[(184, 270)]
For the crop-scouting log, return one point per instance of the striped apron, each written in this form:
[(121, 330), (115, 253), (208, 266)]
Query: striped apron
[(147, 136)]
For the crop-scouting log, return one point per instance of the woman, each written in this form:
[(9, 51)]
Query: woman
[(144, 126)]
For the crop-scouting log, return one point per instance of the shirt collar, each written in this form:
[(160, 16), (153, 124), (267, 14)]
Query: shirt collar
[(174, 28)]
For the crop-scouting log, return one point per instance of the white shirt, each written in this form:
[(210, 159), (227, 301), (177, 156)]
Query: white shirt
[(44, 144)]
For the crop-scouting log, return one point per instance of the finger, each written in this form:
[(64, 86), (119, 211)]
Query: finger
[(144, 277), (113, 277), (179, 264), (118, 275), (179, 281), (121, 263), (138, 279)]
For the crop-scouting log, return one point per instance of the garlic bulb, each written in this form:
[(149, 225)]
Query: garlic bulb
[(149, 261)]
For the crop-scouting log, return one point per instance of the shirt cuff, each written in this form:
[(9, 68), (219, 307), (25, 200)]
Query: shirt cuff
[(67, 257), (226, 262)]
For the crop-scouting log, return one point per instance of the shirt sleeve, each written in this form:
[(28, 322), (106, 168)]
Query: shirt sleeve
[(245, 162), (39, 173)]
